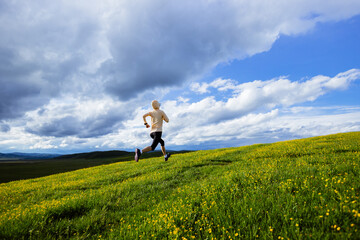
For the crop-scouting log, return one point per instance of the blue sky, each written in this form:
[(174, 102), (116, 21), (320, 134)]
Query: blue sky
[(329, 48), (78, 76)]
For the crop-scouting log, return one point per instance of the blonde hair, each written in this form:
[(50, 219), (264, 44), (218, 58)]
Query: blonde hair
[(155, 104)]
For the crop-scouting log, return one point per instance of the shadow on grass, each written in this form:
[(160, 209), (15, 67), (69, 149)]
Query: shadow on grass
[(212, 163), (68, 213)]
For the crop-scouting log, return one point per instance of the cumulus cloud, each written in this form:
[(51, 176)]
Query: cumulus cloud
[(272, 126), (252, 111), (83, 118), (44, 49), (314, 87), (254, 108), (4, 127), (261, 95), (267, 126), (220, 84)]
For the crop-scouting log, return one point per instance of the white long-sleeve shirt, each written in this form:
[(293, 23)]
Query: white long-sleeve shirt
[(157, 118)]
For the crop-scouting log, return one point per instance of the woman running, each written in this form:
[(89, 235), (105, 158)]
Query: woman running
[(157, 118)]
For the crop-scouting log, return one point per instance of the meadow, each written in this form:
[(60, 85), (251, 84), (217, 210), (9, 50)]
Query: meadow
[(13, 170), (300, 189)]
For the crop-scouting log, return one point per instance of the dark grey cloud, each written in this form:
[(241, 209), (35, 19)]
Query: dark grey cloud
[(20, 85), (4, 127), (42, 49), (73, 126), (161, 44)]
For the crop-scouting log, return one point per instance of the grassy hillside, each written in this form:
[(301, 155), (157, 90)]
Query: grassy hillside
[(302, 189), (25, 169)]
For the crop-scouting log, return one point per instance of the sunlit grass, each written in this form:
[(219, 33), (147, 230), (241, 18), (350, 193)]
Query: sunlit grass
[(302, 189)]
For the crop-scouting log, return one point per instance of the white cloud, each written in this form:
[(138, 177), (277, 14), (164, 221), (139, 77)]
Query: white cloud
[(184, 100), (258, 111), (199, 88), (81, 117), (259, 95), (219, 84), (211, 120), (342, 80), (223, 131)]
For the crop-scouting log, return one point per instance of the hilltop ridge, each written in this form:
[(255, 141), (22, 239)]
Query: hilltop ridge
[(13, 169)]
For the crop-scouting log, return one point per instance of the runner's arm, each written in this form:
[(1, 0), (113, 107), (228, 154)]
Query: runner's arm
[(145, 116), (166, 119)]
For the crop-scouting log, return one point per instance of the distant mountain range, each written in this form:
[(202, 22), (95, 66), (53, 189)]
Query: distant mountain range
[(86, 155), (22, 156), (94, 155)]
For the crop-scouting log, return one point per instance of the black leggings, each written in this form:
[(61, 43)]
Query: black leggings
[(157, 139)]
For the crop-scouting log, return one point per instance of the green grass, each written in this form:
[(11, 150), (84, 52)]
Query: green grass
[(24, 169), (302, 189)]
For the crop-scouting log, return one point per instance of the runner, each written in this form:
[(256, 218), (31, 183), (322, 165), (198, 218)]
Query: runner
[(157, 118)]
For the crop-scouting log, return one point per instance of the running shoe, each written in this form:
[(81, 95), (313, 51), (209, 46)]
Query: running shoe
[(137, 154), (167, 156)]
